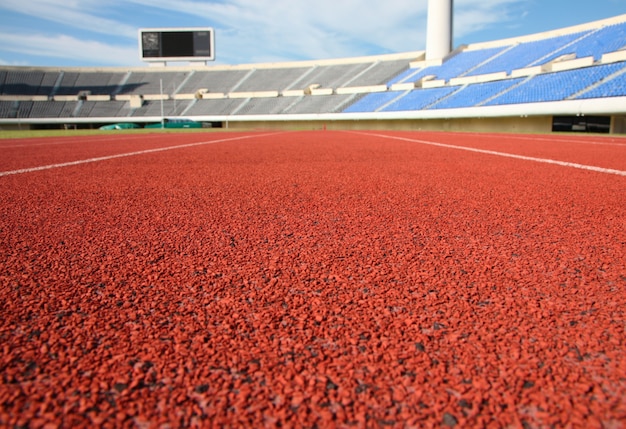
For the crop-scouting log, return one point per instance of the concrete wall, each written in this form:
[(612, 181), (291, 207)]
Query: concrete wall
[(536, 124), (618, 125)]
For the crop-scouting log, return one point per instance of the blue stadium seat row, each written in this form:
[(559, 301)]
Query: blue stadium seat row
[(372, 102), (556, 86), (474, 95), (613, 88), (595, 44), (456, 66), (419, 99), (544, 87), (525, 55)]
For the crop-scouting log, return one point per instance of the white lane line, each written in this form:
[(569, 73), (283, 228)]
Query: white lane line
[(503, 154), (566, 140), (123, 155)]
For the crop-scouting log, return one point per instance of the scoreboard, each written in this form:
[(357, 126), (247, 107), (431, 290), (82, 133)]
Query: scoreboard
[(177, 44)]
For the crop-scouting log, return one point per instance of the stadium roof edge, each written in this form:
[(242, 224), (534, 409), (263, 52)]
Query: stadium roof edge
[(550, 33)]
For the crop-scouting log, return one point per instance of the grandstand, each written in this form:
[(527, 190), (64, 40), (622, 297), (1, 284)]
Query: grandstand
[(574, 75)]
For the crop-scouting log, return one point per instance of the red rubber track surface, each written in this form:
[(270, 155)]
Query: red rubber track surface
[(27, 153), (598, 151), (313, 279)]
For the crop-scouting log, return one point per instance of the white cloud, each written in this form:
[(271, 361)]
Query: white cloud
[(4, 62), (475, 15), (70, 48), (82, 15), (261, 30), (288, 29), (250, 31)]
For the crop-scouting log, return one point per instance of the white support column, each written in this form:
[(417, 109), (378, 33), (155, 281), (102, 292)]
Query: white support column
[(439, 29)]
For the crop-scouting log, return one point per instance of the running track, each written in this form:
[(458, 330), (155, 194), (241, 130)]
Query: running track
[(350, 279)]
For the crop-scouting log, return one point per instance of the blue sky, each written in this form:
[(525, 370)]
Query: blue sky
[(104, 32)]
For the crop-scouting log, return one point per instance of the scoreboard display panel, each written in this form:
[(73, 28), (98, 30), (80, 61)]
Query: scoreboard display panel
[(177, 44)]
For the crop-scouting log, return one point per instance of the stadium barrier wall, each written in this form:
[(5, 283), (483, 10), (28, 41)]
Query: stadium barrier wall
[(156, 97), (569, 64), (253, 94), (361, 89), (105, 97), (65, 98), (527, 71), (24, 98), (293, 93), (540, 124), (618, 124), (477, 79), (213, 96), (613, 57)]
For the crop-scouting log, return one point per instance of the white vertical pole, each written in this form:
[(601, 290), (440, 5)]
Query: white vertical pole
[(162, 114), (175, 104), (439, 29)]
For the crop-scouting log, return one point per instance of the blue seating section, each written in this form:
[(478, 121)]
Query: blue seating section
[(612, 88), (474, 95), (596, 44), (464, 61), (540, 88), (525, 55), (372, 102), (555, 86), (459, 64), (402, 77), (454, 67), (419, 99)]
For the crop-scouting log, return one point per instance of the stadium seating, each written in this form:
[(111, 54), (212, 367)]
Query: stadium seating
[(96, 83), (320, 104), (596, 43), (475, 95), (221, 107), (555, 86), (525, 55), (8, 109), (213, 81), (152, 82), (332, 76), (153, 108), (28, 82), (611, 88), (271, 79), (52, 109), (378, 73), (534, 69), (456, 66), (373, 102), (108, 109), (419, 99), (264, 106)]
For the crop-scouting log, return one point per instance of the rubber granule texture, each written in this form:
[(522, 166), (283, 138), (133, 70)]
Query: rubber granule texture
[(313, 279)]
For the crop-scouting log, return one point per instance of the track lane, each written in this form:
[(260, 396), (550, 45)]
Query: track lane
[(513, 153), (38, 155), (313, 278)]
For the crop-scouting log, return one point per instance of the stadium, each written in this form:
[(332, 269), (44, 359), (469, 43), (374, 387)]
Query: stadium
[(563, 80), (429, 239)]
